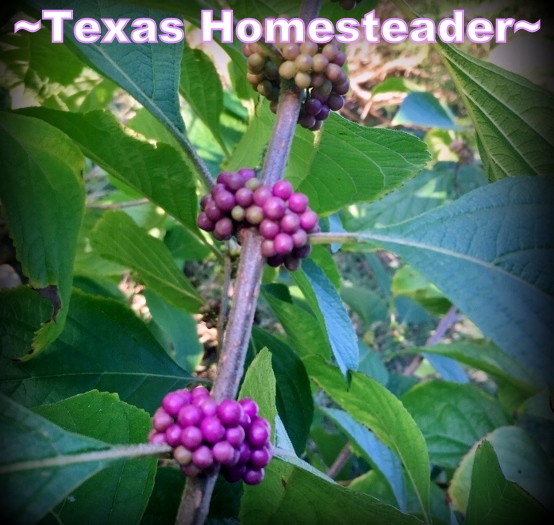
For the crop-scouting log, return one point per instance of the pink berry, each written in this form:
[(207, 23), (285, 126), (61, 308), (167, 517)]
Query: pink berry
[(212, 429), (173, 435), (204, 223), (205, 199), (244, 197), (247, 173), (229, 412), (299, 238), (173, 402), (224, 228), (253, 476), (161, 420), (217, 188), (191, 437), (235, 435), (234, 182), (261, 195), (250, 406), (157, 438), (199, 391), (212, 212), (202, 457), (225, 200), (182, 455), (189, 415), (225, 454), (283, 243), (268, 248), (289, 223), (208, 406), (308, 219), (269, 229), (245, 420), (274, 208), (282, 189)]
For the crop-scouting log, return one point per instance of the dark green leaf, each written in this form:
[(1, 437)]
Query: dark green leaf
[(293, 397), (494, 500), (104, 346), (373, 405), (120, 492), (43, 197), (498, 239), (461, 415), (116, 237), (166, 496), (158, 172), (330, 312), (513, 118), (370, 307)]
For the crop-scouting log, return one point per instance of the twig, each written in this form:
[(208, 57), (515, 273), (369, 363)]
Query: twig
[(198, 491), (340, 461), (227, 268), (444, 325)]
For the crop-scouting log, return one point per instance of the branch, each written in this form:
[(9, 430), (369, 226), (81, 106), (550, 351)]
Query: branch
[(195, 503)]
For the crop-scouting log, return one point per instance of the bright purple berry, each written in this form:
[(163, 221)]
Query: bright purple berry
[(229, 412), (308, 219), (254, 214), (299, 238), (224, 227), (261, 195), (259, 458), (250, 407), (207, 405), (289, 223), (202, 457), (212, 429), (225, 200), (283, 243), (157, 438), (217, 188), (258, 434), (173, 435), (189, 415), (244, 197), (235, 435), (269, 229), (268, 248), (298, 202), (282, 189), (182, 455), (274, 208), (161, 420), (247, 173), (234, 182), (191, 437), (234, 474), (212, 212), (225, 454), (222, 177), (191, 470), (253, 476), (173, 402), (244, 454)]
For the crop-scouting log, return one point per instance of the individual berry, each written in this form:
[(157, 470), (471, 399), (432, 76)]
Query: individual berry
[(247, 174), (254, 215), (174, 401), (307, 121), (199, 391), (308, 219), (268, 248), (205, 199), (304, 62), (299, 238), (335, 102), (312, 107), (234, 474), (190, 415), (275, 261), (191, 470), (183, 455), (319, 63), (238, 213), (244, 454), (204, 223), (245, 420), (274, 207), (298, 202), (157, 438), (191, 437), (258, 434), (224, 228), (213, 213), (324, 113), (261, 195), (225, 200), (259, 458), (244, 197), (287, 70), (249, 406), (253, 476), (253, 184), (289, 224), (161, 420), (234, 182), (292, 263), (212, 429), (269, 229), (173, 435), (229, 412), (302, 80), (282, 189), (235, 435), (302, 252), (290, 51), (309, 48), (225, 454), (202, 457)]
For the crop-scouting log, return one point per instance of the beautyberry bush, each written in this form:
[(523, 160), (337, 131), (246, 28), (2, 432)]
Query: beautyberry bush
[(273, 282)]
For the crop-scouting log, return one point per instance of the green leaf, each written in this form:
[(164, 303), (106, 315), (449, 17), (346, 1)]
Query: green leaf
[(293, 395), (348, 164), (117, 238), (423, 109), (294, 492), (43, 197), (513, 117), (373, 405), (120, 492), (157, 172), (305, 335), (371, 365), (494, 500), (495, 237), (179, 329), (104, 346), (369, 306), (323, 258), (522, 461), (41, 463), (489, 358), (330, 312), (259, 384), (155, 83), (461, 415), (166, 495), (380, 457), (201, 87)]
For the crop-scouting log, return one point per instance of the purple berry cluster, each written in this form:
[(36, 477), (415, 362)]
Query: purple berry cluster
[(348, 5), (283, 217), (317, 69), (205, 435)]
